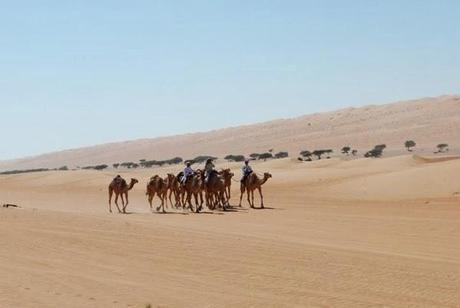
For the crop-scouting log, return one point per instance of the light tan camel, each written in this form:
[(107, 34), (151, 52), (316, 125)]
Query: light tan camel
[(157, 186), (252, 183), (227, 175), (120, 188)]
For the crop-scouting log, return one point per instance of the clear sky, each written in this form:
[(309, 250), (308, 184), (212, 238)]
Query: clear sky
[(76, 73)]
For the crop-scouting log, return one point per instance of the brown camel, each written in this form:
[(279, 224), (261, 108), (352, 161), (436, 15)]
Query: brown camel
[(157, 186), (120, 188), (252, 183), (215, 192), (193, 187), (227, 175), (174, 189)]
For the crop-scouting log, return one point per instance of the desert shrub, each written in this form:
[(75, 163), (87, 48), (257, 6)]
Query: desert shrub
[(281, 155), (254, 155), (306, 153), (24, 171), (116, 165), (265, 156), (236, 158), (443, 147), (409, 144), (202, 158), (380, 147), (63, 168), (354, 152), (318, 153), (174, 161), (346, 150), (97, 167)]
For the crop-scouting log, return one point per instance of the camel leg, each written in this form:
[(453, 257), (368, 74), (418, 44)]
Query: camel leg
[(126, 203), (261, 197), (110, 200), (162, 198), (116, 202), (122, 202), (252, 198), (242, 189), (150, 201), (249, 198)]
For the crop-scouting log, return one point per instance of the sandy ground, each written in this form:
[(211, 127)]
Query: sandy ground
[(366, 232)]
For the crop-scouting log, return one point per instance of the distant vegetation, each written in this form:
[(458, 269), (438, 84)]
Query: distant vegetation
[(346, 150), (281, 155), (97, 167), (442, 147), (236, 158), (265, 156), (409, 144), (319, 153), (201, 159), (376, 152), (24, 171)]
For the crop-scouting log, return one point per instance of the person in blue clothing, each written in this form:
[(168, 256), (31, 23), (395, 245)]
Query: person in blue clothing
[(247, 171), (188, 172)]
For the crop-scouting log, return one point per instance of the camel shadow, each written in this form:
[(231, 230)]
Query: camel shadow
[(264, 208), (171, 213)]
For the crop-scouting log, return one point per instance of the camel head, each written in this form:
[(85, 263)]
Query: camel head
[(267, 175), (134, 181), (226, 173)]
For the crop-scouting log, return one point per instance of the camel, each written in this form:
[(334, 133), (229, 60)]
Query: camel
[(159, 186), (193, 187), (252, 183), (216, 192), (120, 188), (174, 188), (227, 175)]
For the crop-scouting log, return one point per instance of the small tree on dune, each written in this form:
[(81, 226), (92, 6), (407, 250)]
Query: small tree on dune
[(318, 153), (306, 154), (409, 144), (443, 147), (354, 152), (328, 152), (281, 155), (265, 156), (346, 150)]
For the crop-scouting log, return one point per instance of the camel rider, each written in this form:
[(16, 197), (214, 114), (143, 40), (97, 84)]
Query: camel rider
[(188, 172), (118, 179), (208, 169), (247, 171)]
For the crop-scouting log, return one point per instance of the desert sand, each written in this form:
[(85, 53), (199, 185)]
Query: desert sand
[(428, 121), (338, 232)]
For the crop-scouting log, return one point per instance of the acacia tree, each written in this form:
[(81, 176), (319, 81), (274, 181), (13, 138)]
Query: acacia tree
[(443, 147), (409, 144), (306, 154), (265, 156), (318, 153), (346, 150)]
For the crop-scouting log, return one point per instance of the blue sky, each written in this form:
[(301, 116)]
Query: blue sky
[(76, 73)]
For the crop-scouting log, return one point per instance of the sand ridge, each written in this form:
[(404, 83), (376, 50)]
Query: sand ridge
[(428, 121)]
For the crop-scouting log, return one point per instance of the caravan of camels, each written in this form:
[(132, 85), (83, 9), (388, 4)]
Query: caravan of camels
[(213, 190)]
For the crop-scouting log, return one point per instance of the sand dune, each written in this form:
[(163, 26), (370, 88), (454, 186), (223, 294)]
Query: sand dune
[(357, 233), (429, 121)]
